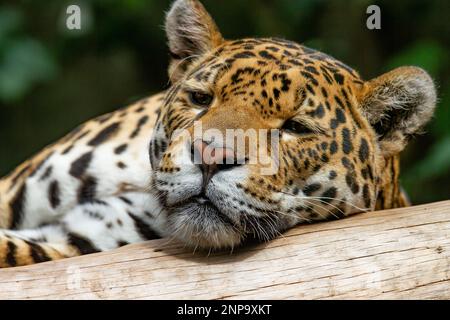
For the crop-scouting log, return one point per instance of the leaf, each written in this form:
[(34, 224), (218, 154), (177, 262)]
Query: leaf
[(436, 163), (428, 55), (440, 124), (24, 63), (10, 21)]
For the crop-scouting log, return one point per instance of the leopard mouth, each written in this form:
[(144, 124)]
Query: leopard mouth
[(199, 223), (201, 202)]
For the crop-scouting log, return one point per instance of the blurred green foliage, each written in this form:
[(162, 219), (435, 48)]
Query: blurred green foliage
[(25, 61), (52, 79)]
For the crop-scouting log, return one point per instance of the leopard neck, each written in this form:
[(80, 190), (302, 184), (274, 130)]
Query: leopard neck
[(390, 193)]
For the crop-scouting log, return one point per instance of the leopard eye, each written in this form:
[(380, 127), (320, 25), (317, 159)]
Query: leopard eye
[(296, 127), (200, 99)]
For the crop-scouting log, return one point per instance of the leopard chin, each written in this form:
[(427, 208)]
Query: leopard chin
[(199, 224)]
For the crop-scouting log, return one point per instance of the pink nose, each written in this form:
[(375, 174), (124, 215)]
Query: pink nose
[(207, 154), (212, 159)]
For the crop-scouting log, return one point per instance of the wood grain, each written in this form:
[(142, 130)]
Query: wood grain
[(392, 254)]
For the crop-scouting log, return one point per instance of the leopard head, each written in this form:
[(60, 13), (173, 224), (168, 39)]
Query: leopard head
[(331, 140)]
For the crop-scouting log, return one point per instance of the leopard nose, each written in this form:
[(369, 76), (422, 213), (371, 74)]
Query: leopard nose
[(212, 159)]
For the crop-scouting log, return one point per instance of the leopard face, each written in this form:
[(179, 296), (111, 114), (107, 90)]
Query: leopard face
[(337, 136)]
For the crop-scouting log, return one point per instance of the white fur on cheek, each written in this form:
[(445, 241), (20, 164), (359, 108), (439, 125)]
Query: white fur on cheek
[(183, 184), (222, 188)]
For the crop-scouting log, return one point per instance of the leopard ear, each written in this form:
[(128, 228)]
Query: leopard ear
[(191, 32), (398, 104)]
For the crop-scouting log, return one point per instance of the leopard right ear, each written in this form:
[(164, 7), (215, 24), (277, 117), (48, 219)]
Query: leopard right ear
[(191, 32), (398, 104)]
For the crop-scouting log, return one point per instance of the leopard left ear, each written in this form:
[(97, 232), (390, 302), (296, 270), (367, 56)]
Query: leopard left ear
[(191, 32), (398, 104)]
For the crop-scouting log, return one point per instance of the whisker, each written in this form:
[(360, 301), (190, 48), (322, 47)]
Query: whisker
[(316, 211), (328, 198), (344, 201), (326, 209), (179, 63), (294, 214)]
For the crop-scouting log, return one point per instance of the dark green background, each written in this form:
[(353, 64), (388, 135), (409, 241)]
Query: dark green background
[(52, 79)]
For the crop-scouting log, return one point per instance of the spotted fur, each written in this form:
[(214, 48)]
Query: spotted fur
[(127, 176)]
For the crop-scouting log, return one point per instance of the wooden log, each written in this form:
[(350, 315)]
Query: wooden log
[(400, 254)]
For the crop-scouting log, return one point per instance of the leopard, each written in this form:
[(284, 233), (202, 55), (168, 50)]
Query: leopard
[(141, 173)]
